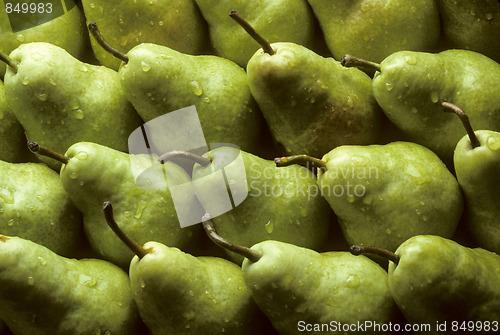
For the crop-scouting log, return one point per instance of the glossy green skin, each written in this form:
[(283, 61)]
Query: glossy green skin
[(438, 279), (12, 139), (312, 104), (472, 24), (44, 293), (35, 206), (283, 204), (374, 29), (60, 100), (412, 85), (96, 174), (384, 194), (127, 23), (67, 31), (275, 20), (477, 173), (178, 293), (292, 284), (158, 80)]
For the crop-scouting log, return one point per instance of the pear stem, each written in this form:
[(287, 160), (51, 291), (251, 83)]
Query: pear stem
[(303, 160), (131, 244), (251, 31), (449, 107), (105, 45), (44, 151), (204, 162), (7, 60), (208, 225), (364, 249), (350, 61)]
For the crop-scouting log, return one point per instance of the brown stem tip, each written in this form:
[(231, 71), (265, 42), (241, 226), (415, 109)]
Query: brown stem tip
[(303, 160), (204, 162), (251, 31), (208, 225), (104, 44), (449, 107), (351, 61), (44, 151), (110, 219), (364, 249)]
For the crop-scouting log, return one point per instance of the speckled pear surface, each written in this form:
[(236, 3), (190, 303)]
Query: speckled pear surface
[(12, 139), (96, 174), (411, 86), (472, 24), (43, 293), (60, 100), (438, 279), (311, 103), (158, 80), (384, 194), (178, 293), (276, 20), (66, 31), (373, 29), (282, 204), (292, 284), (126, 23), (35, 206), (477, 173)]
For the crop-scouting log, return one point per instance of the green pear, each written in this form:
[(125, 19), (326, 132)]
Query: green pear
[(384, 194), (12, 139), (64, 28), (472, 24), (279, 20), (437, 279), (477, 162), (60, 100), (44, 293), (177, 24), (269, 203), (177, 293), (309, 102), (35, 206), (374, 29), (93, 173), (410, 87)]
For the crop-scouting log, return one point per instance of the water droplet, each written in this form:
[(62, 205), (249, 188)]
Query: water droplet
[(26, 81), (365, 7), (489, 16), (414, 110), (206, 99), (389, 86), (78, 113), (196, 88), (352, 281), (7, 195), (20, 38), (434, 97), (32, 209), (10, 223), (41, 95), (145, 66), (269, 227), (151, 23), (388, 231), (87, 280), (82, 155), (493, 143), (350, 198), (31, 281), (415, 175), (42, 260), (140, 208), (37, 55), (410, 60), (120, 20), (350, 102), (73, 175), (92, 5)]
